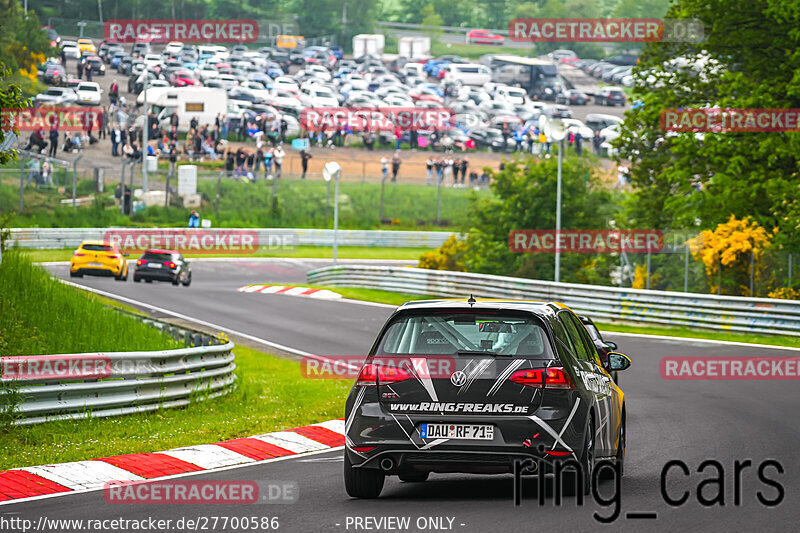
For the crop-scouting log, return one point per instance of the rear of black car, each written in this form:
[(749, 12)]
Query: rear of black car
[(461, 389), (162, 265)]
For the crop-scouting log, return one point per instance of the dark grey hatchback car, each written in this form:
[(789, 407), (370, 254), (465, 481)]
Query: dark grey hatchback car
[(479, 387), (163, 265)]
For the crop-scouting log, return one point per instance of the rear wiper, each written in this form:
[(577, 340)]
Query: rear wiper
[(479, 352)]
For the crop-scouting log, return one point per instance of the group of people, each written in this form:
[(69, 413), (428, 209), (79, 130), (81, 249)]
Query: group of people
[(245, 163), (447, 168)]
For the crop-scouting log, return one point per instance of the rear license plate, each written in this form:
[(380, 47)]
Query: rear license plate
[(456, 431), (95, 264), (154, 265)]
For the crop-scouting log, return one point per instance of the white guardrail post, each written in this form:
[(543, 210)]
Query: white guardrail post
[(124, 382), (727, 313)]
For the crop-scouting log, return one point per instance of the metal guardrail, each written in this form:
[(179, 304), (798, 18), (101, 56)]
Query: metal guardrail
[(728, 313), (60, 238), (132, 382)]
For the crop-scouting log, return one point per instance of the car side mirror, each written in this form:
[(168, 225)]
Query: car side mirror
[(618, 361), (611, 344)]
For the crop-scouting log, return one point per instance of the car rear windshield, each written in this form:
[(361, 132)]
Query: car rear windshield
[(157, 257), (98, 247), (445, 332)]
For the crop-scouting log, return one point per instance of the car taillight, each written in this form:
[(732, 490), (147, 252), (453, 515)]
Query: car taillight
[(372, 374), (543, 378), (79, 255), (139, 262), (113, 256), (171, 265)]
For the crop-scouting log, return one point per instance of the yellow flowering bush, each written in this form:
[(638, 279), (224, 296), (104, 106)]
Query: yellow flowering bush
[(732, 245)]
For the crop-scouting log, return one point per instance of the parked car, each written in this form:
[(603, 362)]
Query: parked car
[(88, 93), (163, 265), (98, 258), (56, 96), (55, 74), (611, 96), (572, 97), (87, 45), (70, 49), (97, 65), (598, 121), (484, 37)]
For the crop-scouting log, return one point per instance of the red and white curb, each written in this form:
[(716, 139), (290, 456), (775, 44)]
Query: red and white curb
[(291, 291), (34, 481)]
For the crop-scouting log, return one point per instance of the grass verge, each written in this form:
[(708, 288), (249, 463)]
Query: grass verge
[(300, 252), (271, 395), (39, 315)]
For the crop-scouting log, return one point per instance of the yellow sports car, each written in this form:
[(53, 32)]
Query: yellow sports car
[(87, 45), (98, 258)]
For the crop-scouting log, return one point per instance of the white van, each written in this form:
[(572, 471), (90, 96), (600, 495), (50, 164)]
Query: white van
[(202, 103), (414, 69), (511, 95), (468, 73)]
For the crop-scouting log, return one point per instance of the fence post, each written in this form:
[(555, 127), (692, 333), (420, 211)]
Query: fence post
[(219, 191), (790, 270), (647, 281), (75, 178), (686, 268), (752, 270), (21, 183), (719, 275)]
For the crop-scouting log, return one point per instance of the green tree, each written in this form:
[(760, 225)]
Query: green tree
[(525, 198), (687, 180), (431, 22)]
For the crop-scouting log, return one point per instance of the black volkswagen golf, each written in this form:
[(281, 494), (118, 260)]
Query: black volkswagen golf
[(477, 387), (163, 265)]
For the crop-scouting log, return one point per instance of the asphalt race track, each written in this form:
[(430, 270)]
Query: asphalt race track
[(688, 421)]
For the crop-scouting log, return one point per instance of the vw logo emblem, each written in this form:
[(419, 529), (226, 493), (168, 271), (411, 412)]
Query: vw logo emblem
[(458, 378)]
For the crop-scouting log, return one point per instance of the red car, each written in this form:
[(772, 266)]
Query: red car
[(484, 37), (183, 78), (425, 94)]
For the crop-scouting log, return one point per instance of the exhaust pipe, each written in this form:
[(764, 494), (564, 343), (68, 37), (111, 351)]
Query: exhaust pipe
[(387, 464)]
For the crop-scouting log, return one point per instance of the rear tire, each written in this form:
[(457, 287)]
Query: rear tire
[(414, 477), (188, 281), (362, 482)]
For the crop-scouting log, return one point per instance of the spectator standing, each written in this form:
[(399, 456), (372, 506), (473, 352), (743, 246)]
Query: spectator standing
[(464, 166), (578, 143), (47, 172), (398, 137), (395, 165), (384, 168), (277, 155), (456, 170), (89, 71), (304, 157), (429, 169), (438, 165), (103, 122), (284, 126), (113, 92), (80, 68), (597, 142), (64, 59), (268, 156), (116, 138), (53, 138)]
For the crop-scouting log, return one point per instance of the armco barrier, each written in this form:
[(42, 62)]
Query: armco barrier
[(137, 381), (59, 238), (729, 313)]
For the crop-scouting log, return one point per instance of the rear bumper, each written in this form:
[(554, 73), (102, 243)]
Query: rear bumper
[(158, 275), (380, 435), (96, 271)]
